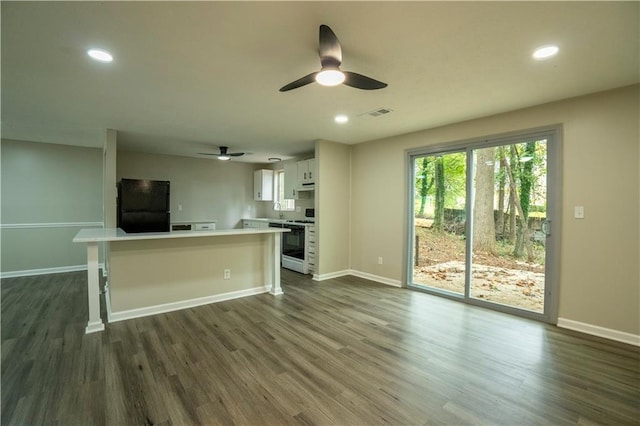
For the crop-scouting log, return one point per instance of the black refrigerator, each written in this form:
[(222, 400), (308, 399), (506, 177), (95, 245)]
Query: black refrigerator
[(143, 205)]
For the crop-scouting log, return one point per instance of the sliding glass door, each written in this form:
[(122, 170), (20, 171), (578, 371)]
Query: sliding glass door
[(439, 221), (480, 223)]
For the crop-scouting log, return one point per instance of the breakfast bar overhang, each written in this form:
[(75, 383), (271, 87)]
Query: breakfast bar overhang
[(152, 273)]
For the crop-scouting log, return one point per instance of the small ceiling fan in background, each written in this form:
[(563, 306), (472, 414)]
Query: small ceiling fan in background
[(330, 74), (224, 155)]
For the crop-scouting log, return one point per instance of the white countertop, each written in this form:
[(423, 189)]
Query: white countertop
[(266, 219), (117, 234)]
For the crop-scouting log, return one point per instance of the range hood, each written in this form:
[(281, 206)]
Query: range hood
[(307, 187)]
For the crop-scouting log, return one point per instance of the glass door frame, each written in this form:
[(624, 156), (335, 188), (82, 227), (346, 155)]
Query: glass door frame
[(553, 135)]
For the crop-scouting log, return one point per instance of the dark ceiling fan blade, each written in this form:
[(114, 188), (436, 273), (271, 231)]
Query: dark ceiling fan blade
[(329, 48), (307, 79), (224, 152), (360, 81)]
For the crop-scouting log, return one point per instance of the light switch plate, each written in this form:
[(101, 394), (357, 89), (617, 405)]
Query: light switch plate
[(578, 212)]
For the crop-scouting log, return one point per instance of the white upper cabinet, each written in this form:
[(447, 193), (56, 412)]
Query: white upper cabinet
[(291, 181), (306, 172), (299, 179), (263, 185)]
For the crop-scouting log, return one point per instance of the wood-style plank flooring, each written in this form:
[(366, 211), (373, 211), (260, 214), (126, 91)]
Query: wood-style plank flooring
[(344, 351)]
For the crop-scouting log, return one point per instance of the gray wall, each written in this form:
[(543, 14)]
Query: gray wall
[(49, 192), (598, 255), (207, 189)]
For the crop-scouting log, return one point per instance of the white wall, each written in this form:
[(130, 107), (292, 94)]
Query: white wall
[(207, 189), (599, 276), (45, 188)]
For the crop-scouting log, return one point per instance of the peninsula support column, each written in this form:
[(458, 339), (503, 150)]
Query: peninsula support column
[(93, 289), (274, 262)]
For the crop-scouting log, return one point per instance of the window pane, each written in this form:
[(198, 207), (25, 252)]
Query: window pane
[(280, 203)]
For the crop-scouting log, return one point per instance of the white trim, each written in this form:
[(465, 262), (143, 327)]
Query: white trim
[(94, 327), (594, 330), (365, 275), (50, 225), (376, 278), (107, 301), (45, 271), (184, 304), (330, 275)]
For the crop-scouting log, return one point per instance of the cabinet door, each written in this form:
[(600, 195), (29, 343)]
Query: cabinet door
[(303, 171), (263, 185), (311, 170), (290, 181), (306, 171)]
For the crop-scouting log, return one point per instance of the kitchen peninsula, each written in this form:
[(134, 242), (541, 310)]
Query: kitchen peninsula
[(156, 272)]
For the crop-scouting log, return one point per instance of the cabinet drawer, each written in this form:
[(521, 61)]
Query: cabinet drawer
[(205, 226)]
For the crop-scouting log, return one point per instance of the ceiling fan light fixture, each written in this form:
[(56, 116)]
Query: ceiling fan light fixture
[(330, 77), (223, 157)]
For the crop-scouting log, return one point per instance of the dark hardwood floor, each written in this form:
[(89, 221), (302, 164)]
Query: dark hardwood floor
[(345, 351)]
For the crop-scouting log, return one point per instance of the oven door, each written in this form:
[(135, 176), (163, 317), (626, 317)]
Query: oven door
[(293, 242)]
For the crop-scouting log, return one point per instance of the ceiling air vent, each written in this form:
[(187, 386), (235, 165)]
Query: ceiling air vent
[(376, 112)]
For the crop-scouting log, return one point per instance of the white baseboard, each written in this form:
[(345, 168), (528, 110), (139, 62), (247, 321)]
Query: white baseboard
[(594, 330), (45, 271), (365, 275), (184, 304), (337, 274), (376, 278)]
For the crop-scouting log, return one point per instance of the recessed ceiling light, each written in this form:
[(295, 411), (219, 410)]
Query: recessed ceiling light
[(100, 55), (341, 118), (276, 159), (545, 52)]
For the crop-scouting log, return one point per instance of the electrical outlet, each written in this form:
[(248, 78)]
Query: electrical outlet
[(380, 260), (179, 207), (578, 212), (227, 274)]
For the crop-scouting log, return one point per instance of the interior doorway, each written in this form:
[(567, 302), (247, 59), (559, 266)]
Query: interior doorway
[(480, 223)]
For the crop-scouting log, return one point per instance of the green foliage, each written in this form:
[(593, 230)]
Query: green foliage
[(452, 186), (529, 165)]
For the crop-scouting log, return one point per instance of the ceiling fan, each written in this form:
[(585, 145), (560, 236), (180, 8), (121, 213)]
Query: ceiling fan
[(330, 73), (224, 155)]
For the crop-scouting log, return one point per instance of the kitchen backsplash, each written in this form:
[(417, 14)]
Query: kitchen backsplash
[(266, 209)]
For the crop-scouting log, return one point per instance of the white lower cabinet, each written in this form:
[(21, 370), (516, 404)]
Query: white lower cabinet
[(311, 248), (255, 224)]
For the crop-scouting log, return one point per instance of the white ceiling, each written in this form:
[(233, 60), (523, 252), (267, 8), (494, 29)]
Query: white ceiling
[(189, 77)]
